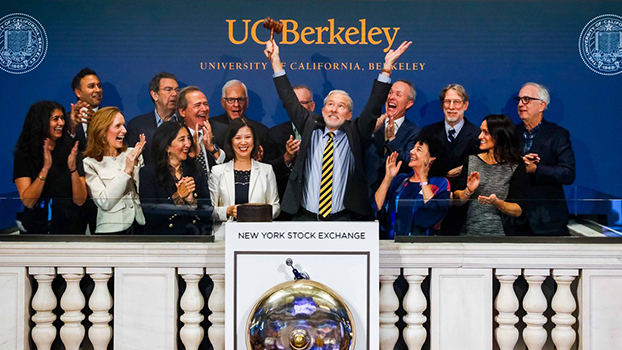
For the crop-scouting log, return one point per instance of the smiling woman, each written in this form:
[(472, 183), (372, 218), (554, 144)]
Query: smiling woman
[(112, 173)]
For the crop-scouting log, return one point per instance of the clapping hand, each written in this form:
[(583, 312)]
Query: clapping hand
[(47, 154), (473, 181), (71, 160), (132, 158), (81, 112), (185, 188), (391, 167), (488, 199), (380, 122), (292, 146)]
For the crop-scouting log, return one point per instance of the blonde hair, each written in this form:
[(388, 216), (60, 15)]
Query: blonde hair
[(97, 144)]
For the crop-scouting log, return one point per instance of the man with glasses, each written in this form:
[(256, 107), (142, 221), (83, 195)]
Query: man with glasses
[(163, 89), (235, 102), (549, 160), (459, 137)]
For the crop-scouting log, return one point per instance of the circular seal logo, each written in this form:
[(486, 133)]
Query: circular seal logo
[(23, 43), (600, 44)]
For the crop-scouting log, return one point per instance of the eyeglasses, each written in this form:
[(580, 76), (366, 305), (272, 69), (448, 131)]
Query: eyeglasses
[(457, 103), (170, 89), (525, 99), (232, 100)]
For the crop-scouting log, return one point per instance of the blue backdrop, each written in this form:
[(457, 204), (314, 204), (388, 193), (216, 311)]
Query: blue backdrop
[(490, 47)]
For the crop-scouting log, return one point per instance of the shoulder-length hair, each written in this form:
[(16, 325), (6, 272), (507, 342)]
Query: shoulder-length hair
[(234, 127), (37, 128), (502, 130), (97, 144), (162, 139)]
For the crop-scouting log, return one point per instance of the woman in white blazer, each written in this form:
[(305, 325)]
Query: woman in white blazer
[(242, 179), (112, 173)]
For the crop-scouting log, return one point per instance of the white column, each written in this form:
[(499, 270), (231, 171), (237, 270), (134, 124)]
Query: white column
[(216, 304), (414, 304), (15, 294), (72, 302), (43, 303), (563, 304), (506, 304), (534, 304), (100, 303), (388, 305), (192, 303)]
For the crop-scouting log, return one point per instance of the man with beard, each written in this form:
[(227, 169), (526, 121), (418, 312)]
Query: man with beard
[(88, 90), (163, 89), (460, 139), (549, 160), (393, 133), (328, 177)]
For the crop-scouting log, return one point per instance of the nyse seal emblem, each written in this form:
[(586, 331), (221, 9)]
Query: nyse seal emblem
[(23, 43), (600, 44)]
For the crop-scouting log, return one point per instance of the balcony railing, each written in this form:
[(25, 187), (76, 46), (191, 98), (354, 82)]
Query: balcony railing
[(149, 293)]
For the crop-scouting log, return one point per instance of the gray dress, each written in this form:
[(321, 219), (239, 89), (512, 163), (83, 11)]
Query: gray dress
[(484, 219)]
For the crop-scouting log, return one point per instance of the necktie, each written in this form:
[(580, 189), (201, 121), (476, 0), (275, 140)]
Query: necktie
[(326, 185), (452, 135), (201, 158)]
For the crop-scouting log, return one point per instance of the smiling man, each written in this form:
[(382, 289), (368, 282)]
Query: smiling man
[(549, 160), (459, 137), (163, 90), (328, 179), (393, 133), (88, 90)]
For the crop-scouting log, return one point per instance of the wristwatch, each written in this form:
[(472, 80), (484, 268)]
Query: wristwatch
[(215, 150)]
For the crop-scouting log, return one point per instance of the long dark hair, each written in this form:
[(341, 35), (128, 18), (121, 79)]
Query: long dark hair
[(162, 139), (437, 150), (502, 130), (37, 128), (234, 127)]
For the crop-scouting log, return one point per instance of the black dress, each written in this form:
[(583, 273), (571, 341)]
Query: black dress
[(55, 211)]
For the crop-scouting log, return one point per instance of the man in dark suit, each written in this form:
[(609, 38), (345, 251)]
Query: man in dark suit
[(234, 101), (163, 89), (88, 90), (328, 177), (393, 133), (549, 160), (460, 139)]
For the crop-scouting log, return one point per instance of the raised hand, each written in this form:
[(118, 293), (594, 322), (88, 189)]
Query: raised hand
[(389, 132), (132, 158), (391, 168), (259, 156), (391, 57), (272, 54), (380, 122), (81, 112), (47, 154), (427, 164), (71, 160), (473, 181), (292, 146)]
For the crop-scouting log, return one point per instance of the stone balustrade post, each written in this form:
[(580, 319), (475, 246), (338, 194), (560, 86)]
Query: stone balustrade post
[(415, 304), (506, 304), (44, 302), (535, 304), (216, 304), (100, 303), (389, 303), (192, 303), (563, 304), (72, 302)]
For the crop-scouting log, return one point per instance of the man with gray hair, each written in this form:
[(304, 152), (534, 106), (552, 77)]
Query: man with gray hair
[(549, 160), (328, 178)]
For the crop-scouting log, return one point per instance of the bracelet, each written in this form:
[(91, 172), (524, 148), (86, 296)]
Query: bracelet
[(424, 183), (73, 171), (41, 177), (388, 71), (467, 192)]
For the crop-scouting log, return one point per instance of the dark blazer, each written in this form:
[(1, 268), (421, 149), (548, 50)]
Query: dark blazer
[(279, 135), (547, 209), (80, 136), (143, 124), (375, 155), (163, 217), (357, 132), (465, 144)]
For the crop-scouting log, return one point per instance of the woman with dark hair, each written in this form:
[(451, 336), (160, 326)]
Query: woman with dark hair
[(496, 177), (48, 172), (112, 173), (173, 190), (414, 203), (242, 179)]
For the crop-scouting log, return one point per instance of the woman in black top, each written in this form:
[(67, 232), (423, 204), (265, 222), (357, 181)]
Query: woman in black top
[(173, 190), (48, 172)]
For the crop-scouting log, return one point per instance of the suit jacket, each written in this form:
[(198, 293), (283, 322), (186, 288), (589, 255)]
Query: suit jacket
[(80, 136), (161, 213), (262, 189), (143, 124), (114, 192), (279, 135), (465, 144), (378, 149), (547, 209), (358, 131)]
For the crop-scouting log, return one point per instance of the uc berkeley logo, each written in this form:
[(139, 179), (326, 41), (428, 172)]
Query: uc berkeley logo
[(23, 43), (600, 44)]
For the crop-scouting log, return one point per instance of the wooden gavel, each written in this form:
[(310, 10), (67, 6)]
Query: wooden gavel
[(274, 26)]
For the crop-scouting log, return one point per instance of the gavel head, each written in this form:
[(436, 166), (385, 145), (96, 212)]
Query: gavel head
[(271, 24)]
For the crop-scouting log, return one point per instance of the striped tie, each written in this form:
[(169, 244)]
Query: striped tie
[(326, 186)]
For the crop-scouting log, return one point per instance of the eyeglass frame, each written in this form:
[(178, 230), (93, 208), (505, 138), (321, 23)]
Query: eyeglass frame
[(457, 103), (519, 99), (232, 100)]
